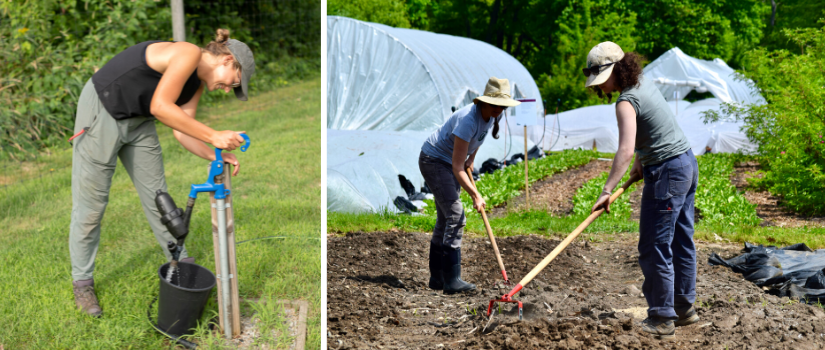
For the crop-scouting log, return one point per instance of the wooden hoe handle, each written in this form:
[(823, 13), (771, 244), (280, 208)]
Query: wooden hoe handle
[(490, 232), (570, 238)]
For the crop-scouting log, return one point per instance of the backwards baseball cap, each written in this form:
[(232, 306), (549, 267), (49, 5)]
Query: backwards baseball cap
[(244, 57), (600, 62)]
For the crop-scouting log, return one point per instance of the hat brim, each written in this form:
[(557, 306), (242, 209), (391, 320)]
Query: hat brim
[(241, 91), (600, 78), (503, 102)]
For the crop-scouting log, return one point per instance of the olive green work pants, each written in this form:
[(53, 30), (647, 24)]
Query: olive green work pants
[(94, 159)]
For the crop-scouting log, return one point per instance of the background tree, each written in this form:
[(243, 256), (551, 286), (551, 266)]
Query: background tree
[(790, 129), (390, 12), (542, 34), (50, 49)]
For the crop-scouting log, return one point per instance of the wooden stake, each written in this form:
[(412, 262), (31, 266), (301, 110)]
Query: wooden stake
[(234, 308)]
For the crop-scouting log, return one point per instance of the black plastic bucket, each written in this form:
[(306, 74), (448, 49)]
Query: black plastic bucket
[(181, 303)]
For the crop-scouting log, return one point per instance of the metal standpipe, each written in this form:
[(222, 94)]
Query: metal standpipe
[(224, 252), (214, 184)]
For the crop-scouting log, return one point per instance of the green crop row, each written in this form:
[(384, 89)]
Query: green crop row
[(587, 195), (499, 187), (717, 199)]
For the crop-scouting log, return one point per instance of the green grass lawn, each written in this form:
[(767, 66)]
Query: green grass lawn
[(276, 194), (732, 219)]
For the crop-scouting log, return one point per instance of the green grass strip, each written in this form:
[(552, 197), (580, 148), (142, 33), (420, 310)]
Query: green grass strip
[(496, 188), (728, 220)]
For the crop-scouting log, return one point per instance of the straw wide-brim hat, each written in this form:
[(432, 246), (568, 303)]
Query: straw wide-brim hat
[(497, 92), (601, 54)]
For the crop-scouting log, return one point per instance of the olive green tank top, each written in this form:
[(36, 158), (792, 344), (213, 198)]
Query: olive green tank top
[(658, 136)]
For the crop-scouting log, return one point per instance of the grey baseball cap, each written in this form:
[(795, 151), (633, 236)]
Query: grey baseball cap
[(244, 57)]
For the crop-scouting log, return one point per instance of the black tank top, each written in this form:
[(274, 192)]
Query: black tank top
[(125, 85)]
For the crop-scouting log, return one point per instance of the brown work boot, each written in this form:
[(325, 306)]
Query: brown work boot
[(687, 317), (85, 299), (661, 329)]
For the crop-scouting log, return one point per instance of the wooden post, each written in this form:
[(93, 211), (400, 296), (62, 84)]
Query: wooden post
[(526, 180), (178, 27), (235, 307)]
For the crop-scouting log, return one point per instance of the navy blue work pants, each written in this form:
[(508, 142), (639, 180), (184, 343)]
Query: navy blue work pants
[(667, 254)]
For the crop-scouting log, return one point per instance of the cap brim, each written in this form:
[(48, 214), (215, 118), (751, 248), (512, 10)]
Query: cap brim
[(503, 102), (241, 92), (600, 78)]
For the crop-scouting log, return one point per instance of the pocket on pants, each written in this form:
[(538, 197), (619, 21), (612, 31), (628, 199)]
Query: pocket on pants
[(679, 188), (661, 188), (665, 223)]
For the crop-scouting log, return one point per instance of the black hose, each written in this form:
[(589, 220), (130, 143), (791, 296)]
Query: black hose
[(544, 128), (510, 132), (187, 344)]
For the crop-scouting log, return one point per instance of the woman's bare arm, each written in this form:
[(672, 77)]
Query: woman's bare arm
[(183, 59)]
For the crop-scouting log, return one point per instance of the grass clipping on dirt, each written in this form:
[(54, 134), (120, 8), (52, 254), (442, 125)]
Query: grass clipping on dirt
[(277, 193)]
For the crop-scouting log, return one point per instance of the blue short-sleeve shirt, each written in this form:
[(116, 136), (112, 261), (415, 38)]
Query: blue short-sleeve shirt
[(466, 124)]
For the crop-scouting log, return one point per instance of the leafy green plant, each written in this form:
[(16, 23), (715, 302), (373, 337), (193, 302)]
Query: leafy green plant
[(717, 199), (390, 12), (50, 49), (587, 195)]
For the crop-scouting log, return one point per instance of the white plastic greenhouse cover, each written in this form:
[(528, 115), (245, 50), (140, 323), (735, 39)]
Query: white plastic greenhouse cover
[(582, 127), (674, 71), (393, 79), (363, 165)]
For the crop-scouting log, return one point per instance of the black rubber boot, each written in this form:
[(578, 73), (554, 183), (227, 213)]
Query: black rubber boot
[(436, 261), (452, 273)]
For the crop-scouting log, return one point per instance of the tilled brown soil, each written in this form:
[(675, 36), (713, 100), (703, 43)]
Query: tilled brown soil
[(555, 193), (588, 298), (769, 207)]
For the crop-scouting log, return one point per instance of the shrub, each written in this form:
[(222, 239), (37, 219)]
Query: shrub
[(789, 129)]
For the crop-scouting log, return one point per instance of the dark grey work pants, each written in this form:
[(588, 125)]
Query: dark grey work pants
[(450, 219)]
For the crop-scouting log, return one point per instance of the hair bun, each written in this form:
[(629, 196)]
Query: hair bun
[(221, 35)]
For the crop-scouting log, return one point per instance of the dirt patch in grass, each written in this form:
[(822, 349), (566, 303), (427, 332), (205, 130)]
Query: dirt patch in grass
[(555, 193), (769, 207), (588, 298)]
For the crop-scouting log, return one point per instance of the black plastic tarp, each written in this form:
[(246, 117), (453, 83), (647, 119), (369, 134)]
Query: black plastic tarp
[(794, 271)]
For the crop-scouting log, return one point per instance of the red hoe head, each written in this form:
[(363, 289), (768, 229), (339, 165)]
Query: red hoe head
[(508, 298)]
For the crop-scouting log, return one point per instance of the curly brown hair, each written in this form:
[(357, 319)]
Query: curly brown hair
[(627, 72)]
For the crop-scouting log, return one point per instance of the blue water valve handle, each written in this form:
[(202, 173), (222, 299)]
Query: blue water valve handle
[(246, 143), (215, 169)]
